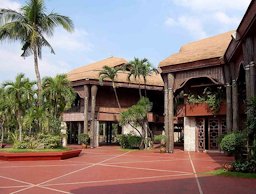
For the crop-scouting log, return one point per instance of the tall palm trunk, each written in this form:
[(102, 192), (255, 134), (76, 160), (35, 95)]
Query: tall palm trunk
[(19, 125), (117, 100), (140, 91), (38, 77), (145, 90)]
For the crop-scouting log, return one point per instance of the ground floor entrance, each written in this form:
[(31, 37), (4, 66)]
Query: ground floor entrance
[(208, 132), (108, 132)]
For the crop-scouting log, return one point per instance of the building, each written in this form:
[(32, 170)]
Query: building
[(95, 109), (190, 77), (240, 75)]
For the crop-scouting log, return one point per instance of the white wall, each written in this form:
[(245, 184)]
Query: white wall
[(128, 129), (189, 134)]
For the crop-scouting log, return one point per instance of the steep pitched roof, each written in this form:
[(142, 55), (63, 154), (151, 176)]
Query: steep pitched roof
[(92, 71), (212, 47)]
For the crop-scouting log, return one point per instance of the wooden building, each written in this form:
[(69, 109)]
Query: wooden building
[(191, 79), (95, 109), (240, 75)]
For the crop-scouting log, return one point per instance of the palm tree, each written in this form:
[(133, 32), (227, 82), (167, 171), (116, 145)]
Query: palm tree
[(30, 26), (146, 70), (111, 74), (17, 91), (139, 69), (58, 93)]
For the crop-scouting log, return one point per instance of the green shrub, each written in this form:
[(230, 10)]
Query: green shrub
[(245, 166), (232, 143), (160, 139), (84, 138), (129, 141), (50, 141)]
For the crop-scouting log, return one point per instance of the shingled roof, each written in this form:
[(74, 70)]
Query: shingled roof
[(91, 72), (208, 48)]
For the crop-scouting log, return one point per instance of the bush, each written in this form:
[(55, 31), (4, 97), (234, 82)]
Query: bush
[(232, 143), (50, 141), (84, 138), (248, 166), (129, 141), (160, 139)]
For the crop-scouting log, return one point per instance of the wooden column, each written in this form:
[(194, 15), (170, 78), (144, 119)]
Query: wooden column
[(170, 112), (247, 82), (79, 132), (166, 123), (229, 115), (229, 108), (94, 90), (86, 99), (235, 106), (252, 79)]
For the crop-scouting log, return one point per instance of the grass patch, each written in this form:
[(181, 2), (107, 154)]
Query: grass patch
[(12, 150), (223, 172)]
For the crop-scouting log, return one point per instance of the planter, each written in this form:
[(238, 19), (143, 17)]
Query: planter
[(84, 146), (200, 109), (28, 156)]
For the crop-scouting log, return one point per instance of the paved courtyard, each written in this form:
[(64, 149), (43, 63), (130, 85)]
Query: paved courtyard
[(109, 170)]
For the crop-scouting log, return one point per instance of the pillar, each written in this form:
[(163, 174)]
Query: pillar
[(79, 132), (229, 108), (170, 113), (252, 79), (247, 82), (235, 107), (166, 128), (189, 134), (94, 90), (86, 99)]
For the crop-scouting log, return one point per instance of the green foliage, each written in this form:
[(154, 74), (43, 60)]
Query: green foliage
[(223, 172), (248, 166), (160, 139), (129, 141), (233, 142), (50, 141), (212, 98), (136, 114), (41, 141), (84, 138)]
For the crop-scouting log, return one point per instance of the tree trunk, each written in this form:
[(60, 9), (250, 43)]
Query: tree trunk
[(117, 100), (38, 77), (145, 90), (140, 90)]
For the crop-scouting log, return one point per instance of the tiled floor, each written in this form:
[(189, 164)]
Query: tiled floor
[(114, 171)]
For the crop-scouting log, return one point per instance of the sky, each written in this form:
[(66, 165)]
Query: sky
[(152, 29)]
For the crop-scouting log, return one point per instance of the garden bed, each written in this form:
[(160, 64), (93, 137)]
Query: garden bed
[(39, 155)]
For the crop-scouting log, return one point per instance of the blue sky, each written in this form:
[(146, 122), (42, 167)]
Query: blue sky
[(153, 29)]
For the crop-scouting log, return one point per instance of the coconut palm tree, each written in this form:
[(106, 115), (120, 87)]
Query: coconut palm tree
[(30, 26), (17, 92), (146, 70), (111, 74), (139, 68)]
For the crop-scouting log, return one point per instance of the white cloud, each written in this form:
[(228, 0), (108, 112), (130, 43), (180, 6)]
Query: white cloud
[(190, 24), (202, 18), (77, 40), (213, 5), (10, 4), (225, 19), (11, 64)]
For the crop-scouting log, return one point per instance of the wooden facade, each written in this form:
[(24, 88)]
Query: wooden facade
[(95, 110), (240, 72)]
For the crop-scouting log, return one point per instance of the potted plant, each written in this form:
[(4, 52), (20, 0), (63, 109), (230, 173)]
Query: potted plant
[(162, 140), (84, 140)]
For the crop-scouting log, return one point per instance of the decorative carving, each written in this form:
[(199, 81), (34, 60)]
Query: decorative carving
[(201, 133), (213, 133)]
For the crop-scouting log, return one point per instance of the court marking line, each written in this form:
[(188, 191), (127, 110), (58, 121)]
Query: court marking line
[(16, 180), (42, 183), (139, 161), (113, 180), (149, 169), (57, 165), (196, 177)]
